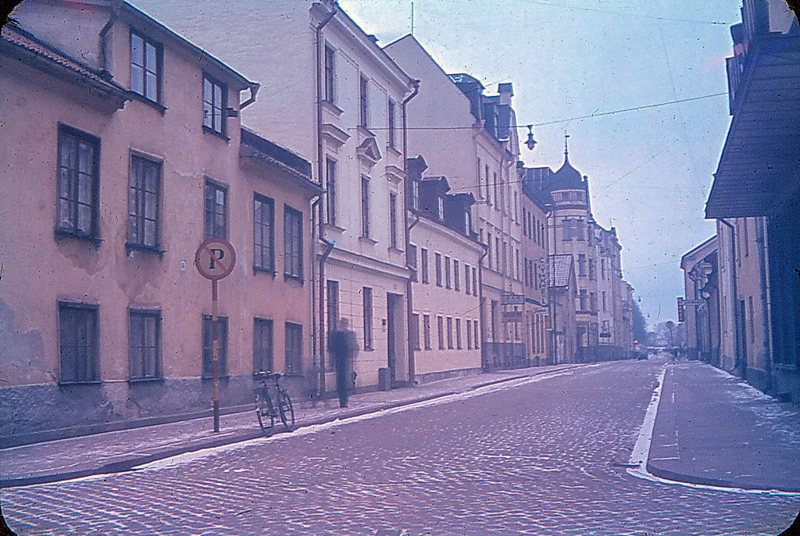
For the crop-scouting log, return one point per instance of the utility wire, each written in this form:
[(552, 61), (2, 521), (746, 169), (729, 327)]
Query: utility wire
[(556, 121), (629, 14)]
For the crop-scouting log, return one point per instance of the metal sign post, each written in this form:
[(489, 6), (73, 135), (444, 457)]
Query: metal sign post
[(215, 259)]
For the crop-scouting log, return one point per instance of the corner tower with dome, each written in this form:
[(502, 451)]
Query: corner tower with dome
[(572, 230)]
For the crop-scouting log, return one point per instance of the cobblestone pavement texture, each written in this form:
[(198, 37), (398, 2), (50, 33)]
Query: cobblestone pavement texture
[(543, 455), (121, 450)]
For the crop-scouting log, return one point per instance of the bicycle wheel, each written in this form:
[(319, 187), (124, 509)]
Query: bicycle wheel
[(265, 417), (286, 411)]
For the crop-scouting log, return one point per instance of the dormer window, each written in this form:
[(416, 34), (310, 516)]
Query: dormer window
[(145, 66), (440, 207), (468, 221), (415, 195)]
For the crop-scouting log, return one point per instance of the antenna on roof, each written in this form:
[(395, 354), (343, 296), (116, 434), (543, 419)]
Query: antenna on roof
[(412, 18)]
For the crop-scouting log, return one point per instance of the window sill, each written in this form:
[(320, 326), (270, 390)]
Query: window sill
[(221, 377), (365, 131), (131, 247), (258, 269), (391, 149), (368, 349), (332, 108), (65, 233), (333, 227), (367, 240), (84, 382), (296, 278), (395, 249), (213, 132), (138, 381), (141, 98)]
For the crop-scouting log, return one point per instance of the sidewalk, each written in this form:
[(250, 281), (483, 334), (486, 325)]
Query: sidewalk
[(110, 452), (714, 429)]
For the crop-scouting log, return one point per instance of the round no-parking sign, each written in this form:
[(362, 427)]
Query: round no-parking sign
[(215, 258)]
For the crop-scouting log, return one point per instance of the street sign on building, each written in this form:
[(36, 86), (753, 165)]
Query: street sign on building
[(512, 299), (512, 316), (694, 303)]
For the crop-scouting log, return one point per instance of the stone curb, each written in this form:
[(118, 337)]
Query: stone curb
[(125, 464), (668, 474)]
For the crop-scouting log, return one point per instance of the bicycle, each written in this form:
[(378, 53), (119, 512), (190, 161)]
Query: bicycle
[(273, 402)]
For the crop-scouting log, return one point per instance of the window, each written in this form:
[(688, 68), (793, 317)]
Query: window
[(440, 330), (144, 345), (363, 102), (481, 194), (424, 261), (438, 269), (294, 349), (602, 268), (494, 185), (582, 300), (581, 265), (263, 233), (330, 74), (412, 261), (426, 330), (469, 334), (393, 220), (365, 207), (330, 174), (143, 202), (489, 250), (214, 94), (440, 208), (262, 345), (222, 338), (415, 195), (604, 301), (458, 333), (752, 314), (216, 220), (488, 190), (78, 182), (476, 335), (392, 124), (468, 222), (447, 271), (293, 242), (145, 67), (592, 274), (367, 297), (593, 302), (466, 278), (456, 276), (78, 343), (450, 332), (415, 331), (474, 281), (497, 253)]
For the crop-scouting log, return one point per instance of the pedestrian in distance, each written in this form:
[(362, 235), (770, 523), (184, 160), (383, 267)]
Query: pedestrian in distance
[(343, 347)]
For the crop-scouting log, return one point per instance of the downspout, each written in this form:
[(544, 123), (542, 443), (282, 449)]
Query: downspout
[(115, 7), (320, 339), (316, 356), (738, 324), (406, 196), (766, 305)]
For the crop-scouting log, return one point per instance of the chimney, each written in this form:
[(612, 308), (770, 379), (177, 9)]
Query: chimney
[(506, 91)]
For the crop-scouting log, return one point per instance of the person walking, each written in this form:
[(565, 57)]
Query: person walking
[(342, 345)]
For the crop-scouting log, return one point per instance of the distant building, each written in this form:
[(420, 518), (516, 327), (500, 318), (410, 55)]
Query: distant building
[(478, 152), (563, 291), (126, 141), (445, 327), (702, 310), (755, 199)]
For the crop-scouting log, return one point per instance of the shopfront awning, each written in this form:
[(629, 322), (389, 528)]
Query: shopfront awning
[(760, 164)]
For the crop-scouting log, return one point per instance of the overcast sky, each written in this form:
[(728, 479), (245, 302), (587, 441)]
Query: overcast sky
[(649, 170)]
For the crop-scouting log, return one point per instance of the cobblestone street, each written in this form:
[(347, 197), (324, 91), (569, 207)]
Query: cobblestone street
[(541, 455)]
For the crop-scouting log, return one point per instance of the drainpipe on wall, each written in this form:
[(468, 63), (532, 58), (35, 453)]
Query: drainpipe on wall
[(737, 322), (406, 196), (766, 306), (320, 339), (315, 350)]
